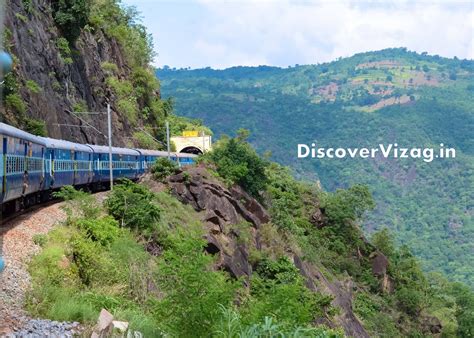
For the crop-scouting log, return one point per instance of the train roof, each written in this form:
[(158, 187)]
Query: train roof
[(8, 130), (115, 150), (151, 152), (186, 155), (63, 144), (161, 153)]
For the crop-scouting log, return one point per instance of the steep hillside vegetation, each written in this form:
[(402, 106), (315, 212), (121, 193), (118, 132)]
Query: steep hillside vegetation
[(77, 55), (390, 96), (189, 253)]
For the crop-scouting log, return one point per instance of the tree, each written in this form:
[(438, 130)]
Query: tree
[(347, 205), (383, 240), (71, 16), (238, 163)]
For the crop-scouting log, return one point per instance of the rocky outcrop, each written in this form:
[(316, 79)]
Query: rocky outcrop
[(379, 269), (431, 324), (221, 209), (222, 206), (64, 84), (379, 264), (342, 294)]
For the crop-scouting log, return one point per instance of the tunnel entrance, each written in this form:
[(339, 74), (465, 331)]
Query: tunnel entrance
[(191, 150)]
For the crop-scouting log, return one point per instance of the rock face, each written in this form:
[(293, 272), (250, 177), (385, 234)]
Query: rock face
[(379, 264), (34, 43), (379, 269), (221, 208), (342, 293)]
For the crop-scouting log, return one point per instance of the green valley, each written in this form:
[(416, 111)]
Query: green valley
[(383, 97)]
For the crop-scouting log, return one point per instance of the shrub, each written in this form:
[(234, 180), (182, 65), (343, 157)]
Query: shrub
[(409, 300), (278, 288), (238, 163), (40, 239), (71, 16), (129, 108), (80, 106), (383, 240), (33, 87), (15, 102), (94, 264), (145, 141), (191, 289), (104, 230), (347, 205), (133, 206), (64, 50), (163, 168), (109, 67), (35, 127), (79, 203)]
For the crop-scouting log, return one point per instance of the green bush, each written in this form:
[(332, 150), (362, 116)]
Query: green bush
[(15, 102), (79, 204), (71, 16), (133, 206), (104, 230), (347, 205), (238, 163), (35, 127), (33, 87), (145, 141), (80, 106), (64, 50), (410, 300), (109, 67), (40, 239), (278, 288), (129, 108), (163, 168), (191, 289), (230, 325)]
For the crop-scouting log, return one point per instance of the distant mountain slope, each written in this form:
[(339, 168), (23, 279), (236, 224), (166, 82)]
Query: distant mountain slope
[(389, 96)]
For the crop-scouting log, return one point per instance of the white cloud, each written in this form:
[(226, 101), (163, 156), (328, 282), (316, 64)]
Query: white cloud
[(223, 34)]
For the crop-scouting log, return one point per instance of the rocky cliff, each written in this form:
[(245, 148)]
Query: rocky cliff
[(222, 209), (55, 74)]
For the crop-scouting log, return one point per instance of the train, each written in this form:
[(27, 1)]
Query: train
[(32, 167)]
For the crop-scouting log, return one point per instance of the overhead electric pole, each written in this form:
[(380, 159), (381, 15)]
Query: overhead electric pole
[(88, 125), (109, 125), (168, 139)]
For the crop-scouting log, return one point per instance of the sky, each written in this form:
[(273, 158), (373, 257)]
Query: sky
[(221, 34)]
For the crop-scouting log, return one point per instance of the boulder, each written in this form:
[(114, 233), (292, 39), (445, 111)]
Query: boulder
[(431, 325), (104, 324), (120, 326), (221, 205), (379, 264)]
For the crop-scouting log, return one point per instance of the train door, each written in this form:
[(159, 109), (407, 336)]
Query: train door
[(3, 168)]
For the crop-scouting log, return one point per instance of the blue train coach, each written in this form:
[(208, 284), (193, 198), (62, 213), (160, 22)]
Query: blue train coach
[(67, 163), (31, 167), (22, 165)]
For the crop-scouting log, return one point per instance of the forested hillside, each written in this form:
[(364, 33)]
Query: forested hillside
[(77, 56), (389, 96)]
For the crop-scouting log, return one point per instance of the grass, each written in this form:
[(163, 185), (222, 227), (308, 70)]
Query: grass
[(33, 87), (117, 279), (59, 294)]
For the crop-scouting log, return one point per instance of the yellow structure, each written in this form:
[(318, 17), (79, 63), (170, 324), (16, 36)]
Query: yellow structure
[(190, 133), (192, 143)]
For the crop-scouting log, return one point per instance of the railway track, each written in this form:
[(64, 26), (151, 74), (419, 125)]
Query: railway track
[(5, 219)]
